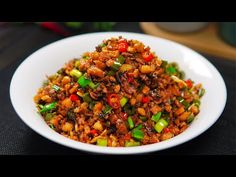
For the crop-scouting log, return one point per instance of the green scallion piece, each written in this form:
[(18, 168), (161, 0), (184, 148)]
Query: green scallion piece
[(87, 98), (121, 59), (156, 117), (83, 81), (93, 86), (75, 73), (116, 65), (171, 70), (111, 73), (160, 125), (123, 101), (107, 109), (143, 118), (48, 116), (139, 126), (56, 88), (130, 122), (131, 143), (137, 134), (48, 107), (201, 92), (102, 142), (190, 119)]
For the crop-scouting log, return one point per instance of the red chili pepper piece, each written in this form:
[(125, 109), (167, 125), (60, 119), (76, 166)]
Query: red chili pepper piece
[(189, 83), (147, 56), (145, 100), (74, 97), (166, 130), (55, 27), (114, 101), (124, 115), (130, 79), (123, 46), (127, 137), (93, 132)]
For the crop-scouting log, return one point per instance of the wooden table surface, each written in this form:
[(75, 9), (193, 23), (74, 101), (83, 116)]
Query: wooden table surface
[(206, 40)]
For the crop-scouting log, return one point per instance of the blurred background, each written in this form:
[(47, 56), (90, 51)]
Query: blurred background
[(214, 40)]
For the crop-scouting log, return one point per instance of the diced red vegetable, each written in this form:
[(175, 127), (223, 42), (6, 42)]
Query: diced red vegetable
[(124, 115), (189, 83), (93, 132), (123, 46), (74, 97), (145, 100), (147, 56), (166, 130), (127, 137), (130, 79), (114, 101)]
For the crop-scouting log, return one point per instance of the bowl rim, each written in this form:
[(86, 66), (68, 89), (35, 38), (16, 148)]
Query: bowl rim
[(120, 150)]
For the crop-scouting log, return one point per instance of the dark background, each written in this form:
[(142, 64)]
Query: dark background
[(18, 42)]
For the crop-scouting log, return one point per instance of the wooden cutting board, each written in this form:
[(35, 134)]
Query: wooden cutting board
[(206, 40)]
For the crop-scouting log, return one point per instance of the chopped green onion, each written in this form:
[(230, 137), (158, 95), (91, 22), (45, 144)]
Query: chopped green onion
[(180, 99), (139, 126), (85, 57), (91, 105), (120, 59), (190, 118), (75, 73), (48, 116), (116, 65), (164, 63), (83, 82), (93, 86), (160, 125), (102, 45), (131, 123), (102, 142), (51, 126), (171, 70), (111, 73), (181, 75), (60, 71), (201, 92), (178, 80), (45, 83), (185, 103), (143, 118), (197, 102), (56, 88), (40, 106), (123, 101), (107, 109), (87, 98), (131, 143), (130, 110), (156, 117), (137, 134), (77, 63), (48, 107)]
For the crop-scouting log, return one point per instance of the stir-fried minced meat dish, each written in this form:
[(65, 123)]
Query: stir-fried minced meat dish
[(122, 94)]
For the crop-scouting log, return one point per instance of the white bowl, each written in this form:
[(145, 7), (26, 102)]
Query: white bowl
[(47, 60)]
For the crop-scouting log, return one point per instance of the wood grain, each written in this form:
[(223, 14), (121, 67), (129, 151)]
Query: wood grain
[(206, 40)]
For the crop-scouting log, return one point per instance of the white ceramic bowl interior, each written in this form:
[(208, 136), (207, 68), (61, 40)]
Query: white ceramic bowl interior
[(47, 60)]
